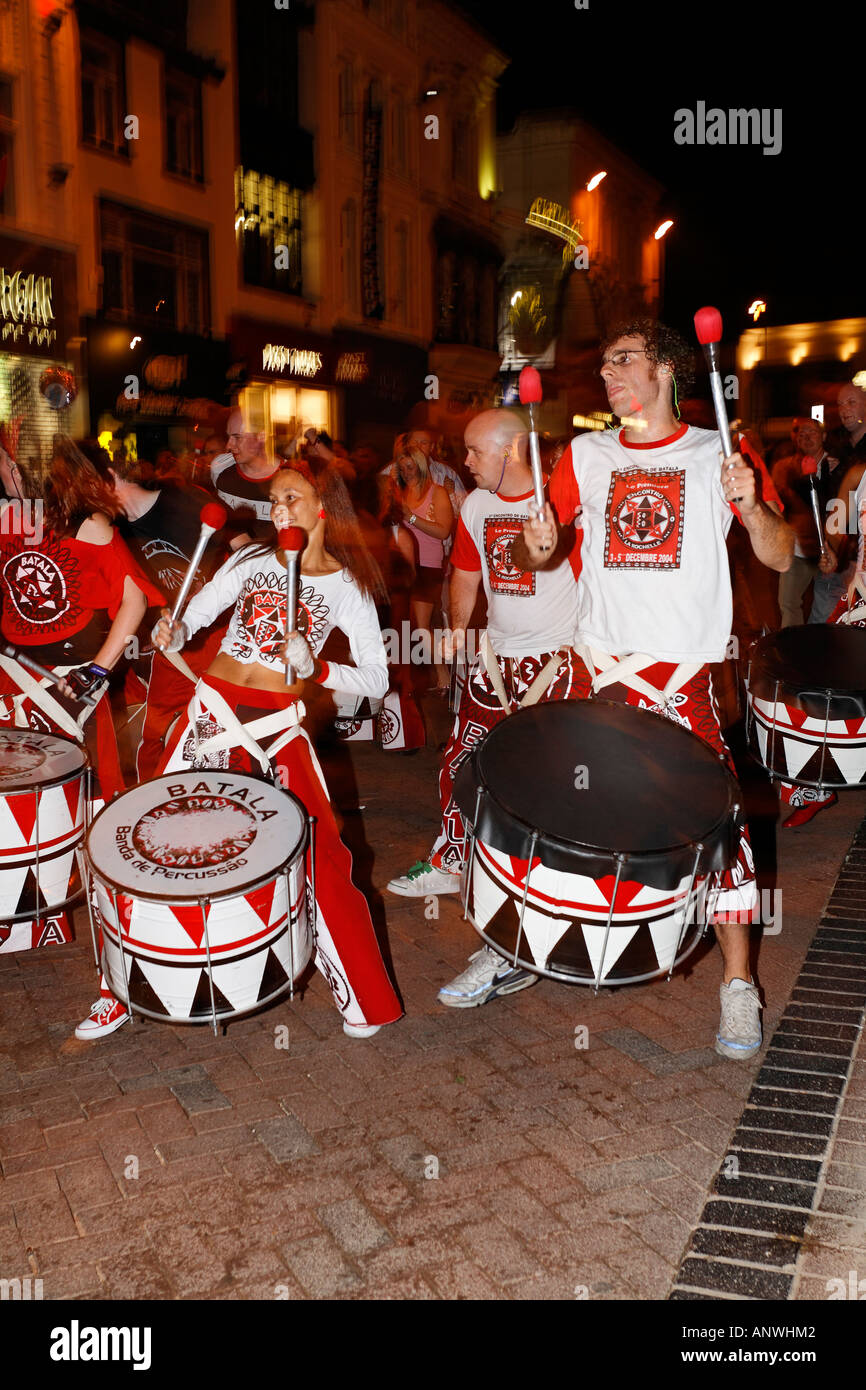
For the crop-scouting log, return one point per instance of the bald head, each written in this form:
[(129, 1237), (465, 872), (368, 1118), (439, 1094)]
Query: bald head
[(851, 404), (496, 445)]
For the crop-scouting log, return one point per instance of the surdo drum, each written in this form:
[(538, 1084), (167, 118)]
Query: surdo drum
[(43, 787), (199, 887), (593, 827), (807, 704)]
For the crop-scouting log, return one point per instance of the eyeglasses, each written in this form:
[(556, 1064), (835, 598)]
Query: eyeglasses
[(621, 358)]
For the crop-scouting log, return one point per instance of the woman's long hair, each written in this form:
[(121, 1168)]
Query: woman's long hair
[(78, 485), (421, 463), (343, 538)]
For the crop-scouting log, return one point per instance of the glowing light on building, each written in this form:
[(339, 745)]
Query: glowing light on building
[(518, 294), (797, 354), (756, 309), (663, 228), (596, 180), (848, 349), (135, 341)]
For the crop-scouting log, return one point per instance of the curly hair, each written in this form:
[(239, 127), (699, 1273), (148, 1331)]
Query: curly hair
[(343, 537), (663, 345), (78, 485)]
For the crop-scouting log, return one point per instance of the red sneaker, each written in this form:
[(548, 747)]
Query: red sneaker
[(804, 814), (106, 1016)]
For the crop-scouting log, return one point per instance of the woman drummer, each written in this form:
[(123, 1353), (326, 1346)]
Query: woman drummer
[(243, 698), (71, 596)]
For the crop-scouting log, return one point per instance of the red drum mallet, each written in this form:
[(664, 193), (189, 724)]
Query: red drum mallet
[(708, 326), (213, 518), (292, 540), (529, 388)]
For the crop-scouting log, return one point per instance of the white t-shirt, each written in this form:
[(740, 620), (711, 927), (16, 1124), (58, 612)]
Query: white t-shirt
[(528, 611), (256, 585), (654, 572)]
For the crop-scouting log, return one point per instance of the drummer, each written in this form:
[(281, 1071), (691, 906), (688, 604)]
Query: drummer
[(70, 598), (525, 657), (654, 593), (243, 716)]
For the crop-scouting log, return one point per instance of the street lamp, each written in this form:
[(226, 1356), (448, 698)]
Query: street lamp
[(756, 308), (663, 228), (596, 180)]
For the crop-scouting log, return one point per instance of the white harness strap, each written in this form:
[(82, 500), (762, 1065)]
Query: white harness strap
[(37, 691), (542, 682), (609, 670), (236, 734), (179, 664)]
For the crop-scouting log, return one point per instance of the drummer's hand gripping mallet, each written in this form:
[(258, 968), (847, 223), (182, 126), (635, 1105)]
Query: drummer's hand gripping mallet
[(44, 674), (809, 467), (213, 518), (292, 541), (529, 389), (708, 326)]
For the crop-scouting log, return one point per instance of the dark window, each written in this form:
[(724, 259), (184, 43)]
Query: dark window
[(7, 149), (102, 93), (183, 143), (268, 229), (153, 270)]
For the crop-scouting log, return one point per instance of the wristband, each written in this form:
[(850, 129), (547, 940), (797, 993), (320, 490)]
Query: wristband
[(413, 518)]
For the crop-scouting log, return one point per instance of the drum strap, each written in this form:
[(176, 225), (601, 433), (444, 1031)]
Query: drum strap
[(179, 664), (609, 670), (236, 733), (539, 686), (38, 693)]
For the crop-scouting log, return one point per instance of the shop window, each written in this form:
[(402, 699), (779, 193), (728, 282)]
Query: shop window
[(7, 148), (268, 227), (183, 126), (401, 274), (102, 93), (350, 256), (154, 271), (348, 110)]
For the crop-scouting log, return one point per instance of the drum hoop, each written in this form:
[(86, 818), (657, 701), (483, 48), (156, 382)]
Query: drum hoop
[(31, 915), (217, 894), (588, 982), (59, 781), (760, 672), (734, 802)]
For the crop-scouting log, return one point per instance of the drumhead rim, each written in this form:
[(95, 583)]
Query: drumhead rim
[(106, 879), (759, 669), (631, 856), (51, 782)]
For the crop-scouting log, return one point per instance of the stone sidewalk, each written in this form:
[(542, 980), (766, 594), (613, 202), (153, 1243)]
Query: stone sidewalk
[(458, 1154)]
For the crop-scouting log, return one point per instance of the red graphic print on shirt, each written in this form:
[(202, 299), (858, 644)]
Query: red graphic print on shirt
[(38, 586), (644, 520), (500, 532)]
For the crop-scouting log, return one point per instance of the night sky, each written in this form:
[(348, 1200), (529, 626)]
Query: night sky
[(787, 228)]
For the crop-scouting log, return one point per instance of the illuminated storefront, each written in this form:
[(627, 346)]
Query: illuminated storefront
[(38, 366)]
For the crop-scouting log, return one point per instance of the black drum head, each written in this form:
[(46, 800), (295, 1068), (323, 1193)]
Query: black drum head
[(822, 658), (595, 778)]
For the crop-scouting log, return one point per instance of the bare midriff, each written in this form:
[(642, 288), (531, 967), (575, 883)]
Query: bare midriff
[(252, 673)]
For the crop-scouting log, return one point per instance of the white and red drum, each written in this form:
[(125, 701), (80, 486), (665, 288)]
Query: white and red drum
[(595, 828), (43, 789), (807, 704), (199, 887)]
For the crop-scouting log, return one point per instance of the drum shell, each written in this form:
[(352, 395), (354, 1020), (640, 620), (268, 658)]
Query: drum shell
[(257, 948), (807, 705), (41, 828), (564, 933)]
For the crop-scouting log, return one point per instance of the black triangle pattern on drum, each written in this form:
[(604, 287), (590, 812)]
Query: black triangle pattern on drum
[(570, 954), (638, 958), (811, 770), (274, 977), (30, 898), (502, 927), (141, 991), (201, 1004)]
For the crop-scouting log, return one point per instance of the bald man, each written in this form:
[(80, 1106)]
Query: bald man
[(242, 479), (530, 624)]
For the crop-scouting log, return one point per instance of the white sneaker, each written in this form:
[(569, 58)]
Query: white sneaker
[(360, 1030), (487, 975), (739, 1034), (422, 879), (106, 1016)]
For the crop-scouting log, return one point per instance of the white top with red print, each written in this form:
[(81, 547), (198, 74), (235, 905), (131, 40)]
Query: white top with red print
[(654, 574), (528, 612), (256, 585)]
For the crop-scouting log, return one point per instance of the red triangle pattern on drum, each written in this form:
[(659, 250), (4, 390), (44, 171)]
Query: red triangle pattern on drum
[(124, 913), (627, 890), (72, 792), (189, 915), (262, 900), (24, 809)]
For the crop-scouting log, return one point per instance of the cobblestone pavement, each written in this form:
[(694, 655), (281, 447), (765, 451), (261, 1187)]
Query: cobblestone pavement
[(475, 1154)]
